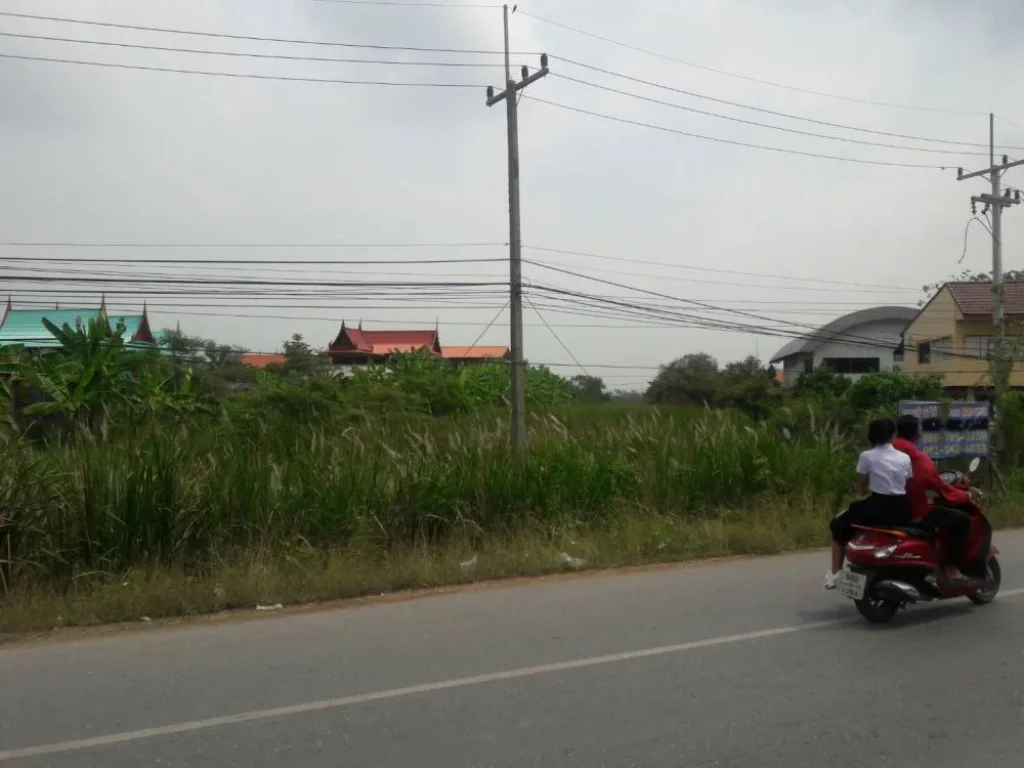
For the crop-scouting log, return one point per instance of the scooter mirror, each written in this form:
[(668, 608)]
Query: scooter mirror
[(973, 466)]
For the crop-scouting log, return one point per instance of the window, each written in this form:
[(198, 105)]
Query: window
[(942, 349), (852, 364), (897, 355), (978, 346), (924, 353)]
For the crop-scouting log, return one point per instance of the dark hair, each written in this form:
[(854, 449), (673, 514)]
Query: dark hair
[(881, 431), (908, 427)]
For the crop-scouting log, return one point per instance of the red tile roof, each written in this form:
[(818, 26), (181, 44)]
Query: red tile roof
[(474, 353), (384, 342), (257, 360), (977, 298)]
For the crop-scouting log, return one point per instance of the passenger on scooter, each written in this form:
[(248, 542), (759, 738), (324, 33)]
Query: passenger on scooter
[(926, 478), (886, 473)]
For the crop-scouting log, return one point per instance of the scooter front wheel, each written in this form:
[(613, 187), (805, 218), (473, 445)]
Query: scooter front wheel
[(877, 611), (993, 579)]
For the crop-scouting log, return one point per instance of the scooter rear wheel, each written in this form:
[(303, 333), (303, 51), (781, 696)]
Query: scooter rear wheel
[(993, 579), (877, 611)]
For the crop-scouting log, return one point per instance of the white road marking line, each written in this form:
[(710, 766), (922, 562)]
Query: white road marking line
[(395, 693)]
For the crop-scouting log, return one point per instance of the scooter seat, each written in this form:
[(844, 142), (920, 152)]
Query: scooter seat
[(915, 531)]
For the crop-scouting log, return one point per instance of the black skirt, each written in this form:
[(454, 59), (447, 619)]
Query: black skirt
[(878, 509)]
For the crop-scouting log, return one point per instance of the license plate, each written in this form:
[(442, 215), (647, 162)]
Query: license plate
[(852, 585)]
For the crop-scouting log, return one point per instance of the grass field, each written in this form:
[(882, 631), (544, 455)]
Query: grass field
[(177, 521)]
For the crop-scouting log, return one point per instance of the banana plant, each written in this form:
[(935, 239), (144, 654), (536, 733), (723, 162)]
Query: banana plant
[(80, 382)]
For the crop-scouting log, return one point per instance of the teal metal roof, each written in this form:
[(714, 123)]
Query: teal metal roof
[(25, 326)]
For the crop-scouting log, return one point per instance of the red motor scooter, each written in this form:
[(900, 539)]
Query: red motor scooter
[(892, 567)]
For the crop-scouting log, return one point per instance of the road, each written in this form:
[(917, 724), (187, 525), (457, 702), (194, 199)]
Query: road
[(743, 663)]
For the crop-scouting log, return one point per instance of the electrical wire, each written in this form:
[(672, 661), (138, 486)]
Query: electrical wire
[(804, 328), (732, 142), (249, 262), (764, 110), (707, 269), (235, 75), (239, 54), (411, 4), (797, 131), (557, 337), (115, 244), (747, 78), (255, 38)]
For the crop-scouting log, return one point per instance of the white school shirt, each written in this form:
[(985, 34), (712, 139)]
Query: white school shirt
[(887, 469)]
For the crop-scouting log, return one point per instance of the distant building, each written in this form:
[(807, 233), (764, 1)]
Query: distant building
[(262, 360), (475, 354), (354, 346), (867, 341), (953, 332), (24, 327)]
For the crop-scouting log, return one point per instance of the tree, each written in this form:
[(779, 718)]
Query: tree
[(970, 276), (196, 349), (591, 389), (300, 357), (822, 383), (692, 379)]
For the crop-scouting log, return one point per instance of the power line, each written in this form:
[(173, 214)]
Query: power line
[(764, 110), (144, 244), (719, 140), (411, 4), (254, 38), (557, 337), (709, 269), (747, 78), (239, 54), (248, 262), (730, 118), (234, 75)]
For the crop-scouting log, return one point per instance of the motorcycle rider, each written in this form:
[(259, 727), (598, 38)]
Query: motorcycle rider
[(886, 473), (926, 478)]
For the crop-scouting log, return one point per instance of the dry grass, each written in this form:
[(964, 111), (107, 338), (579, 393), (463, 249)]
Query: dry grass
[(303, 575)]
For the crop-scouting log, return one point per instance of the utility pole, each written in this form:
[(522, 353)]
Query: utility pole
[(996, 201), (515, 234)]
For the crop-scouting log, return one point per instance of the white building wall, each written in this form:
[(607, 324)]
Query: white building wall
[(885, 332)]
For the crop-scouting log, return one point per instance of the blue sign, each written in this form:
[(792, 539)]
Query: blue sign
[(964, 433), (923, 409)]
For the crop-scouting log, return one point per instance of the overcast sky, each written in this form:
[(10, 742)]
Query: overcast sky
[(103, 155)]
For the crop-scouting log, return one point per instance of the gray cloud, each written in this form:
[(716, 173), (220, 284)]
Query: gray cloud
[(104, 155)]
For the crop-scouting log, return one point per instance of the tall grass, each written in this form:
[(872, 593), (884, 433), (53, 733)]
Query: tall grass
[(182, 498)]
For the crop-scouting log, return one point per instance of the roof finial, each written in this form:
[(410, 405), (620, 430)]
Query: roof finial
[(103, 303), (360, 323)]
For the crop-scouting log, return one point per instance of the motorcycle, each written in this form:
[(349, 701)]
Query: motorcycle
[(890, 568)]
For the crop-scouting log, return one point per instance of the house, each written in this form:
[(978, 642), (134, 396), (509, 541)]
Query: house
[(476, 354), (951, 335), (262, 360), (866, 341), (354, 346), (24, 327)]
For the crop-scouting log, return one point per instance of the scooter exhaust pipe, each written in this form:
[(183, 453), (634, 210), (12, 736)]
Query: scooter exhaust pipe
[(897, 590)]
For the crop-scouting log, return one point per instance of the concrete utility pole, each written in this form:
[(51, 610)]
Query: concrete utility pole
[(999, 365), (515, 234), (996, 201)]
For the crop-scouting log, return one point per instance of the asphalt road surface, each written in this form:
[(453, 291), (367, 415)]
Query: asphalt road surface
[(745, 663)]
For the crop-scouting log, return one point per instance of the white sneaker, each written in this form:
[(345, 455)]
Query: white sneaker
[(831, 579)]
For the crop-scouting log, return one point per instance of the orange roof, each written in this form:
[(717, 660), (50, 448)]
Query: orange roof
[(383, 342), (977, 298), (475, 352), (260, 360)]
